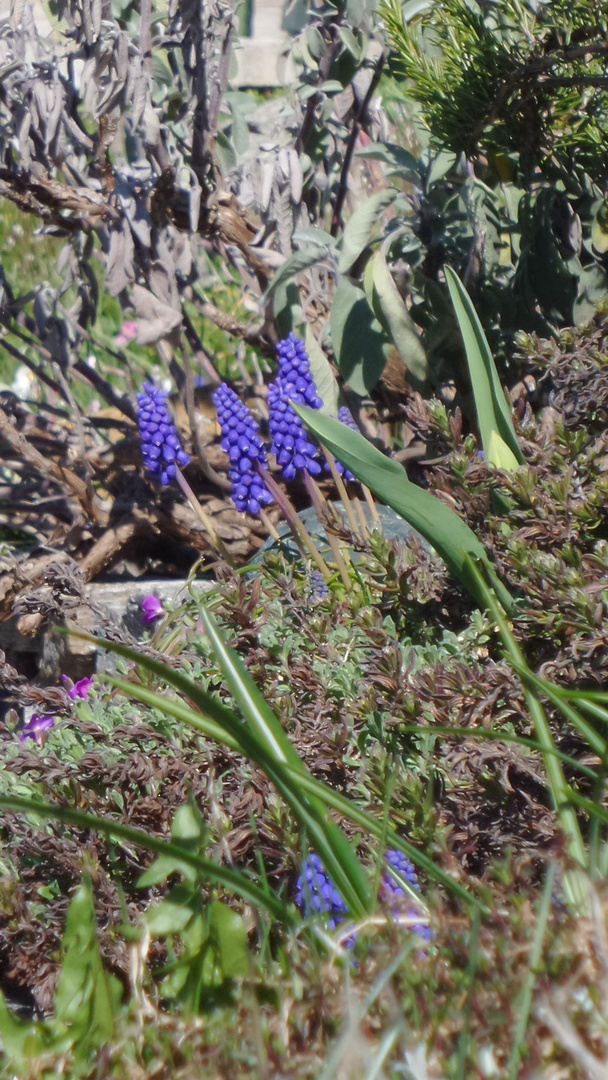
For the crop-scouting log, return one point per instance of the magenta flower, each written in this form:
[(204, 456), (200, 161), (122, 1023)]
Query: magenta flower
[(151, 609), (36, 728), (78, 689)]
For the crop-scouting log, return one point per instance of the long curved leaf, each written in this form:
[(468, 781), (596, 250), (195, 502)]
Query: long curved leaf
[(328, 796), (260, 741), (448, 534), (498, 438), (212, 871)]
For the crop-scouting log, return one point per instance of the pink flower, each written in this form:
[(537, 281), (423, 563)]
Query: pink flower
[(36, 728), (151, 609), (78, 689), (128, 331)]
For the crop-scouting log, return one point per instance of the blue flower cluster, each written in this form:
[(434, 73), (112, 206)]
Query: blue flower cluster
[(289, 442), (160, 446), (316, 895), (241, 441), (294, 373)]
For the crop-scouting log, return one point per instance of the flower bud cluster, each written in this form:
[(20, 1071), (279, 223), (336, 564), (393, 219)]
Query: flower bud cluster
[(289, 442), (241, 441), (160, 446)]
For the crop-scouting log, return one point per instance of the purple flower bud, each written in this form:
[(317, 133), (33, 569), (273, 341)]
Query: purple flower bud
[(151, 609), (160, 446), (242, 443), (37, 728)]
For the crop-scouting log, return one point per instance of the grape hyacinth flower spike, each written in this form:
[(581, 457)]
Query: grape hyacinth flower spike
[(395, 898), (289, 442), (160, 446), (294, 382), (242, 442), (316, 894)]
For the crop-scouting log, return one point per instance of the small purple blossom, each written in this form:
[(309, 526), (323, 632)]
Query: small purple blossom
[(37, 728), (151, 609), (78, 689), (241, 441), (160, 446)]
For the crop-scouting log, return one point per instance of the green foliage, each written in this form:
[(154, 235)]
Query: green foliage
[(86, 1000), (209, 939), (508, 77), (498, 438)]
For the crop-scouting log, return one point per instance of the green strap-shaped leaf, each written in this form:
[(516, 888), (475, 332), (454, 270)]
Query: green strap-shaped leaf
[(209, 870), (399, 322), (447, 533), (500, 445)]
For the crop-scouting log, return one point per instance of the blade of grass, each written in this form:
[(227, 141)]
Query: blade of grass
[(221, 875), (543, 686), (557, 783), (498, 736), (386, 836), (465, 1032), (525, 997), (258, 741), (261, 718)]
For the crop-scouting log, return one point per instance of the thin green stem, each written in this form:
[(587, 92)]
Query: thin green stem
[(341, 486), (204, 518), (300, 533), (320, 505), (557, 783), (525, 997)]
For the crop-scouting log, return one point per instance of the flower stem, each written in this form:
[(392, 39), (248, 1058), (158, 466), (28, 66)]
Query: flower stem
[(320, 505), (370, 502), (357, 505), (214, 539), (300, 534), (338, 481)]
